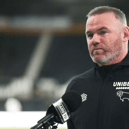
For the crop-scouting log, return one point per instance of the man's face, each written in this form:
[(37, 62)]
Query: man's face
[(104, 38)]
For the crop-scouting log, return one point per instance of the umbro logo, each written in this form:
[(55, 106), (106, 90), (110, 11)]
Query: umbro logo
[(84, 97)]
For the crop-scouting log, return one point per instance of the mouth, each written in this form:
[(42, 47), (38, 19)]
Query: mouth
[(97, 49)]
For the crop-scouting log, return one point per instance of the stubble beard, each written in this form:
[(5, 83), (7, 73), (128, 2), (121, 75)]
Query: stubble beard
[(108, 58), (102, 60)]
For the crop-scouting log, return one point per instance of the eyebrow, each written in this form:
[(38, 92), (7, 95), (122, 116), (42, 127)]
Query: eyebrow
[(97, 30), (103, 28)]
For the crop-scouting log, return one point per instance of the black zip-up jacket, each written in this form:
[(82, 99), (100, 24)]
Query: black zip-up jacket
[(105, 95)]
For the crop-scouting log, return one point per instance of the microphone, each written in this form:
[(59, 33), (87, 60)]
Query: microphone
[(60, 111)]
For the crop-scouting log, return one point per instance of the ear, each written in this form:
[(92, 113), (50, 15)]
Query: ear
[(125, 34)]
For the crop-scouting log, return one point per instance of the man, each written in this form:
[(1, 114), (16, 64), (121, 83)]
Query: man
[(104, 88)]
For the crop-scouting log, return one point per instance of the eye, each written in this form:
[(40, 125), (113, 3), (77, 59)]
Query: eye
[(90, 35), (102, 32)]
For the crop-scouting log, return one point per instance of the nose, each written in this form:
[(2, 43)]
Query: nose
[(95, 39)]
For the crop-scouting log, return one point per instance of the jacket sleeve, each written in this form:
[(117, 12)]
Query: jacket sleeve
[(70, 124)]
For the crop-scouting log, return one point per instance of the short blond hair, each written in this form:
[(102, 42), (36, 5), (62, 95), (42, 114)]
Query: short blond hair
[(103, 9)]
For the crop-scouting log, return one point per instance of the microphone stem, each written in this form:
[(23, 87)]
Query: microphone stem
[(44, 123)]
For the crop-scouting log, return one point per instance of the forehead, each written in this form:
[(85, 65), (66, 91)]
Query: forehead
[(107, 20)]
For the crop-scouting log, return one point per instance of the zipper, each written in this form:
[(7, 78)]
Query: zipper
[(100, 111)]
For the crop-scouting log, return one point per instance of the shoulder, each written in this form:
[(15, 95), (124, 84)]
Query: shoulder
[(86, 76)]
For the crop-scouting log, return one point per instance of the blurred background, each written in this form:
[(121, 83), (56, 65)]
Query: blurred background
[(42, 47)]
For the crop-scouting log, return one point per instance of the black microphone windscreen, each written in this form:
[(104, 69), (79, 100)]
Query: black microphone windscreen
[(72, 99)]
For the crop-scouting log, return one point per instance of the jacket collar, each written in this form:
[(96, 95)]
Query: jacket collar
[(104, 70)]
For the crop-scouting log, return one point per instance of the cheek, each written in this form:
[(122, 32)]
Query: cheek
[(89, 45), (113, 43), (109, 45), (87, 41)]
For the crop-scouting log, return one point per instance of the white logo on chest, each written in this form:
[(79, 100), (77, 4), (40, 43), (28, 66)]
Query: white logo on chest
[(123, 95), (121, 85), (84, 97)]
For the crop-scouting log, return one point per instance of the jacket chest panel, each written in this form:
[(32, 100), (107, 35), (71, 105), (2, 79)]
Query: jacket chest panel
[(114, 103)]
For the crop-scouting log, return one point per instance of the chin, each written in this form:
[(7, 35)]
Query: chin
[(100, 60)]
